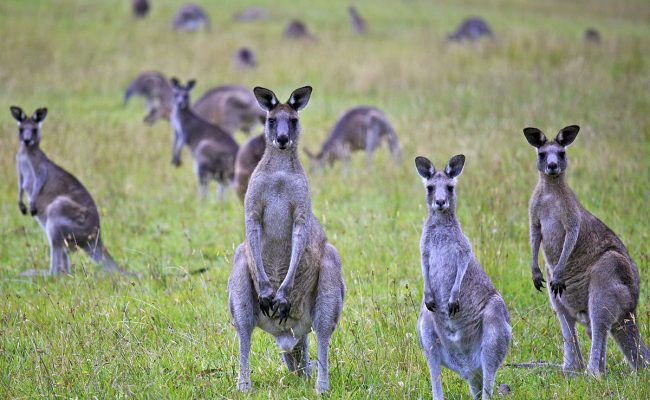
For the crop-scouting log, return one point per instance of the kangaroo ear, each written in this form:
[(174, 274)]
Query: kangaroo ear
[(455, 166), (535, 137), (299, 98), (174, 81), (265, 98), (567, 135), (424, 167), (39, 115), (190, 84), (18, 113)]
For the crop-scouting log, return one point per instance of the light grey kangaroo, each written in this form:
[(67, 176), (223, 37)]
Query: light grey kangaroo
[(248, 157), (359, 128), (190, 17), (155, 88), (214, 151), (61, 204), (463, 324), (286, 278), (356, 21), (593, 279), (232, 107)]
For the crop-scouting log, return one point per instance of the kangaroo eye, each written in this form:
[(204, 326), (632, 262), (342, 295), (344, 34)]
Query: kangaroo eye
[(429, 188), (271, 121), (34, 131), (542, 156), (293, 121), (450, 188), (561, 154)]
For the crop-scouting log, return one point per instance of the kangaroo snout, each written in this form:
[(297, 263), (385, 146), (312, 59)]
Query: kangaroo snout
[(282, 140), (440, 203)]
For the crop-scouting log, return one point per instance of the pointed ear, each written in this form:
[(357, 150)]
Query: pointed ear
[(455, 166), (175, 83), (265, 98), (425, 167), (535, 137), (18, 113), (299, 98), (190, 84), (39, 115), (567, 135)]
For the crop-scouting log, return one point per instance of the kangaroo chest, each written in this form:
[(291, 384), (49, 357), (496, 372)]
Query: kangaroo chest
[(26, 169), (445, 253), (552, 228)]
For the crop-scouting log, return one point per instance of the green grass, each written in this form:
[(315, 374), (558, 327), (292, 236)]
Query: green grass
[(167, 335)]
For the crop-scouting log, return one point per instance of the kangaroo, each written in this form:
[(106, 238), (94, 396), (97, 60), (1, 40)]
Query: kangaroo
[(359, 128), (296, 29), (245, 59), (140, 8), (463, 323), (471, 29), (248, 157), (61, 204), (155, 88), (592, 36), (593, 278), (213, 149), (232, 107), (190, 17), (357, 22), (286, 279), (250, 14)]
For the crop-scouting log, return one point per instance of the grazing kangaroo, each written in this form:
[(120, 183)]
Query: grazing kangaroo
[(248, 157), (232, 107), (61, 204), (140, 8), (357, 22), (213, 149), (190, 17), (463, 323), (593, 278), (296, 29), (245, 59), (471, 29), (286, 278), (360, 128), (155, 88), (250, 14), (592, 36)]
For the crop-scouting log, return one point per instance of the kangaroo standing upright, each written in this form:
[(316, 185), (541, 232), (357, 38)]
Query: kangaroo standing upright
[(356, 21), (463, 324), (594, 281), (286, 278), (213, 149), (60, 203)]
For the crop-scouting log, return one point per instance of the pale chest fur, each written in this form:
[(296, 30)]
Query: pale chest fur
[(26, 169), (549, 210), (447, 248)]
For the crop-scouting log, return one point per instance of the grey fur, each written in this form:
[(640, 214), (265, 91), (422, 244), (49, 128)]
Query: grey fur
[(463, 323), (594, 281), (250, 14), (140, 8), (155, 88), (232, 107), (359, 128), (61, 204), (245, 59), (471, 29), (286, 278), (190, 17), (248, 157), (357, 22), (296, 29), (214, 150)]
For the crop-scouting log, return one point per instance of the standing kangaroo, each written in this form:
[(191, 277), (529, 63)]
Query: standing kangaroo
[(213, 149), (60, 203), (155, 88), (248, 157), (356, 21), (593, 278), (360, 128), (463, 323), (286, 278), (232, 107)]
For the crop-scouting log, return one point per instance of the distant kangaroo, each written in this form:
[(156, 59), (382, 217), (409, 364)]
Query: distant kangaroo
[(61, 204), (155, 88), (593, 279), (232, 107), (463, 324), (213, 149), (286, 278), (471, 29), (248, 157), (191, 17), (296, 29), (360, 128), (245, 59), (356, 21), (140, 8)]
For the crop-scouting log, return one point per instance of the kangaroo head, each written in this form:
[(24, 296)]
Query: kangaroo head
[(181, 93), (551, 156), (29, 128), (282, 127), (440, 185)]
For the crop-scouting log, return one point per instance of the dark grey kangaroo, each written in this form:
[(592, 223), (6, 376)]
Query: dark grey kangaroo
[(463, 324), (594, 281), (61, 204), (214, 151), (356, 21), (286, 278)]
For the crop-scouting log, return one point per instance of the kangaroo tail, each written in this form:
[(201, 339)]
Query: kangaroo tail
[(99, 253), (626, 334)]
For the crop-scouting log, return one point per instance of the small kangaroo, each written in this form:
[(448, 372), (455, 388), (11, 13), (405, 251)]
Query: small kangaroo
[(359, 128), (244, 59), (463, 323), (140, 8), (286, 278), (232, 107), (592, 36), (250, 14), (61, 204), (213, 149), (357, 22), (471, 29), (190, 17), (155, 88), (593, 278), (296, 29), (248, 157)]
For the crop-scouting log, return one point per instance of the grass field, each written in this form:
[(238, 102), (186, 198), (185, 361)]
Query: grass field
[(168, 334)]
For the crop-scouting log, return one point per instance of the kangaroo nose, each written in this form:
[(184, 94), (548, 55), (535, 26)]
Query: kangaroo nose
[(552, 165), (440, 203), (283, 140)]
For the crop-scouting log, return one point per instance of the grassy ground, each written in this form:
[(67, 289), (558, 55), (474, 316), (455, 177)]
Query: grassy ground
[(168, 335)]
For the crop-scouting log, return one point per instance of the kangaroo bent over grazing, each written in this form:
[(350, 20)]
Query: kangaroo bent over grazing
[(593, 278), (155, 88), (360, 128), (213, 149), (286, 278), (60, 203), (463, 323), (232, 107), (190, 17), (248, 157)]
